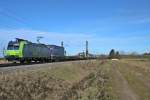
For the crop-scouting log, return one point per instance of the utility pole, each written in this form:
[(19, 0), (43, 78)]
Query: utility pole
[(87, 51), (62, 44)]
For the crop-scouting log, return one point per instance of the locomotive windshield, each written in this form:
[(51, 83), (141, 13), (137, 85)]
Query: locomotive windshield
[(13, 47)]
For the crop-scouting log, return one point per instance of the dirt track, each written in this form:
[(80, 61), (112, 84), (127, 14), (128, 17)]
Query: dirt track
[(130, 83), (125, 91)]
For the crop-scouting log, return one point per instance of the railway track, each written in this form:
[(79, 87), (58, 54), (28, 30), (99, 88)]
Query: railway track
[(32, 63), (19, 64)]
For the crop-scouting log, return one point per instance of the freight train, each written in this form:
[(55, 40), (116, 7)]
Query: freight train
[(23, 51)]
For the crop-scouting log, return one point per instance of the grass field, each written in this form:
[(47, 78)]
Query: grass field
[(2, 60), (81, 80)]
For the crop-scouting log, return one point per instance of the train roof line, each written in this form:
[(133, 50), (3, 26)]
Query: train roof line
[(50, 45), (19, 40)]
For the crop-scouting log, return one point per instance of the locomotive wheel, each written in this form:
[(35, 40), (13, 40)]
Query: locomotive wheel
[(28, 60), (22, 61)]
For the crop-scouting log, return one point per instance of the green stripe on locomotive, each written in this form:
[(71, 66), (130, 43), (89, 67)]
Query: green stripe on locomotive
[(16, 53)]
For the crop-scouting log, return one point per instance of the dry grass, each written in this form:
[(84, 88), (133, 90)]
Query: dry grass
[(2, 61), (81, 80), (92, 87), (75, 80), (30, 86)]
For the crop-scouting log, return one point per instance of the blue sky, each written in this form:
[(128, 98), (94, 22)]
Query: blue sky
[(120, 24)]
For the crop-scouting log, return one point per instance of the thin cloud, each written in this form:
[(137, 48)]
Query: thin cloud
[(142, 21), (71, 37)]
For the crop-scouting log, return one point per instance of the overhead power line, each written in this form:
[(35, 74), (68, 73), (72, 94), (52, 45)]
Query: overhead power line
[(11, 15)]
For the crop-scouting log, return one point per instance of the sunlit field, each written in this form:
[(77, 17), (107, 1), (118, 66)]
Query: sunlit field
[(80, 80)]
